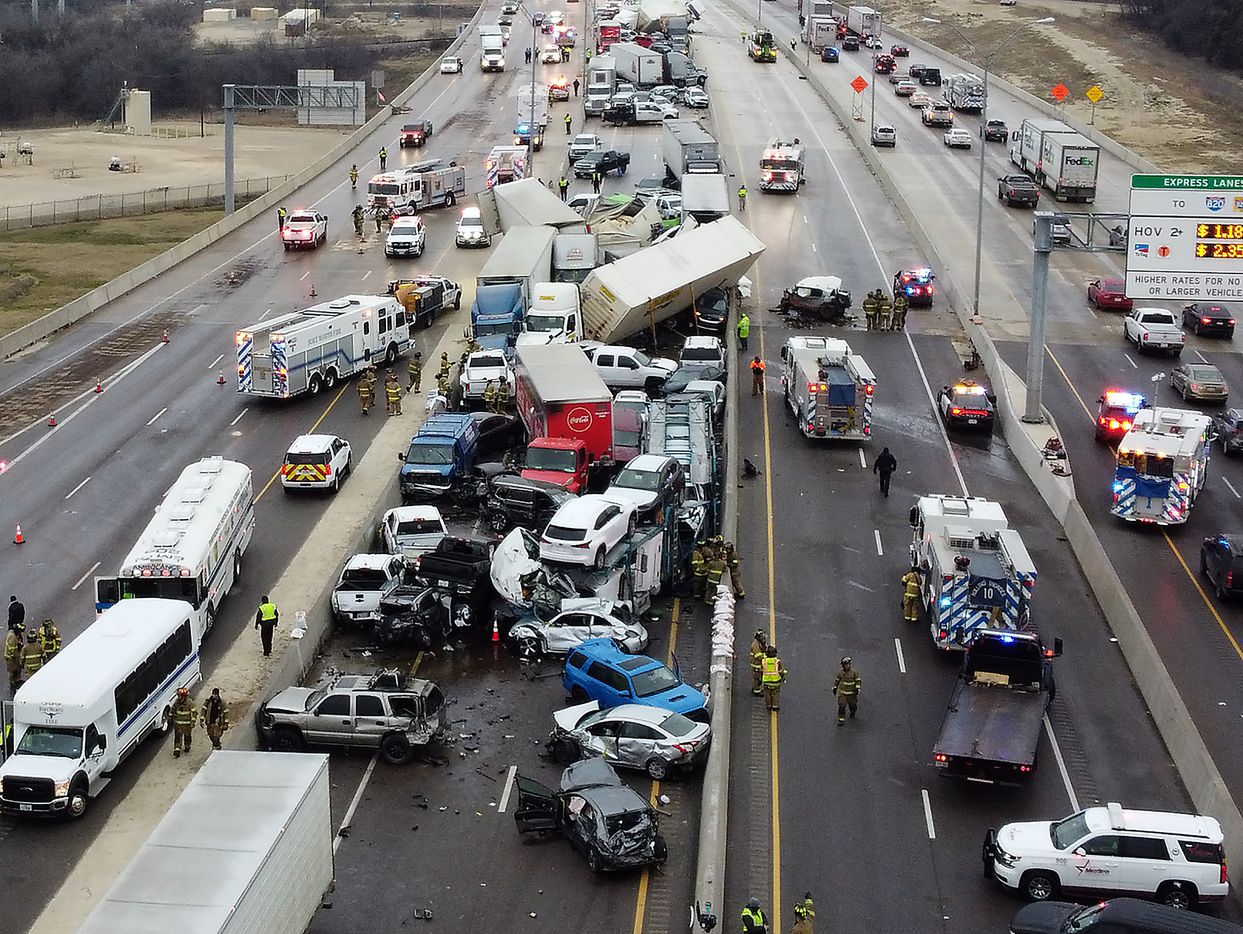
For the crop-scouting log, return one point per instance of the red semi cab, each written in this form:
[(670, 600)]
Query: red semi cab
[(562, 461), (560, 395)]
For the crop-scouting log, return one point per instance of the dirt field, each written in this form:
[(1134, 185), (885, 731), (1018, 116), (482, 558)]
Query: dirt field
[(1171, 109), (44, 268)]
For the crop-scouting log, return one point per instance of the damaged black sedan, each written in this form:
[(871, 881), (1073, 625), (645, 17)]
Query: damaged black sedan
[(607, 821)]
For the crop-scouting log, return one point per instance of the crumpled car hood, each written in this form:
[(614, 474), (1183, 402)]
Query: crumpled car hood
[(633, 845), (514, 569)]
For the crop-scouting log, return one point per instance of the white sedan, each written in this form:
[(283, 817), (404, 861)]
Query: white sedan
[(484, 367), (583, 530), (695, 97), (957, 138), (580, 619), (920, 99), (905, 88), (451, 65)]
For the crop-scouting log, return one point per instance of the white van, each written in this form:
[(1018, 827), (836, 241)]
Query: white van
[(83, 712), (554, 315)]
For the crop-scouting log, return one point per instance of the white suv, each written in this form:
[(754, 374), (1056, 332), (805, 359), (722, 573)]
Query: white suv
[(316, 462), (407, 237), (628, 368), (1178, 859), (470, 232)]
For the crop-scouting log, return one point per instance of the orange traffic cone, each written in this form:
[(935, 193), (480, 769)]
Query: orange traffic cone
[(165, 337), (99, 385), (220, 379), (496, 633), (313, 292), (18, 537), (51, 422)]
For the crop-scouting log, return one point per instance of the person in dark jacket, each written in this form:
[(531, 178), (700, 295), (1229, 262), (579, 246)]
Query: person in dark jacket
[(17, 615), (884, 467)]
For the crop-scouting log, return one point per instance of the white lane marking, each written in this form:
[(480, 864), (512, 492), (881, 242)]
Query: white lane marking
[(156, 415), (932, 830), (509, 789), (879, 548), (78, 487), (1203, 359), (861, 586), (805, 220), (962, 483), (897, 645), (82, 579), (304, 275), (813, 248), (862, 460), (1130, 361), (212, 365), (1061, 765), (367, 275), (266, 313), (197, 308), (89, 395), (358, 796), (1231, 486), (239, 416)]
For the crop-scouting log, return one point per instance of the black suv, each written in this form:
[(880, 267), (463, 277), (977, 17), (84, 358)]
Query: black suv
[(1209, 318), (1117, 916), (1221, 561), (516, 501)]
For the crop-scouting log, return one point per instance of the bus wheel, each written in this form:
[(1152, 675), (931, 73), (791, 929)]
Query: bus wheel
[(209, 620), (237, 566)]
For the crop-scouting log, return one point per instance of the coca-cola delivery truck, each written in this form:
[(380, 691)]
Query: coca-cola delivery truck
[(561, 395)]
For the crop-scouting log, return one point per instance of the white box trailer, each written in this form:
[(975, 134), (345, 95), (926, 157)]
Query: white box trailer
[(689, 148), (310, 350), (526, 203), (523, 257), (656, 283), (704, 197), (246, 848), (638, 64), (1069, 165), (863, 21)]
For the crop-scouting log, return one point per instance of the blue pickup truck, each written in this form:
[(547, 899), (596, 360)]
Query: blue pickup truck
[(441, 459)]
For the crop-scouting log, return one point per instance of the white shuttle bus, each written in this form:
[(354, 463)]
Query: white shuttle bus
[(83, 712), (192, 550)]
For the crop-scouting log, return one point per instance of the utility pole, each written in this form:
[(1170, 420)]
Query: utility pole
[(875, 52), (230, 108), (1033, 414)]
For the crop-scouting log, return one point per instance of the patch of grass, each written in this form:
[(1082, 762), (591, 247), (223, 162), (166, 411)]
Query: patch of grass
[(46, 267)]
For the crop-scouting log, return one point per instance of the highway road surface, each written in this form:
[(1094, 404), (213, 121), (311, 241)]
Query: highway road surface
[(855, 815)]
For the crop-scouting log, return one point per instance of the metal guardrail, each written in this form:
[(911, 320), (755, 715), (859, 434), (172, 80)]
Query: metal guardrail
[(127, 204)]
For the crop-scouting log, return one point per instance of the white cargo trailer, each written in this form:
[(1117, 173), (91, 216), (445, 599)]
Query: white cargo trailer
[(247, 848)]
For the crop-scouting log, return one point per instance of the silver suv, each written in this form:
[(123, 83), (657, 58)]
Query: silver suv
[(385, 711)]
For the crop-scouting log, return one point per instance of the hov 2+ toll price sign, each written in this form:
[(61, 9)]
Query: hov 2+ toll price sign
[(1185, 238)]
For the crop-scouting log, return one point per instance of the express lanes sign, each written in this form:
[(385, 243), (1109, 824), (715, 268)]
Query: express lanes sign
[(1185, 238)]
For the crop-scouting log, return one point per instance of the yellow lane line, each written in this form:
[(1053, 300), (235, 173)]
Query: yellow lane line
[(345, 384), (640, 908)]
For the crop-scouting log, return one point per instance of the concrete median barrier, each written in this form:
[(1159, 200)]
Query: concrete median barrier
[(97, 298)]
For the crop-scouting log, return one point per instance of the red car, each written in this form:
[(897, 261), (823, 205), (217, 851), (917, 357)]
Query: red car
[(899, 51), (1108, 294)]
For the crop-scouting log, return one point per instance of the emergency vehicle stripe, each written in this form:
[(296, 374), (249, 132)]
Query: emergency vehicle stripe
[(1179, 500), (280, 372), (303, 473), (1124, 496), (868, 401), (243, 362)]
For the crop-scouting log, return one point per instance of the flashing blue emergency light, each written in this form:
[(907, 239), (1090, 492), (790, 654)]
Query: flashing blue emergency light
[(1117, 486), (1007, 638), (945, 601), (1132, 402)]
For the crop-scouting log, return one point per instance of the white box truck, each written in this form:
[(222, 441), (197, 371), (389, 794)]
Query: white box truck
[(863, 21), (554, 317), (492, 54), (1069, 165), (689, 148), (246, 847), (704, 197), (637, 64), (310, 350)]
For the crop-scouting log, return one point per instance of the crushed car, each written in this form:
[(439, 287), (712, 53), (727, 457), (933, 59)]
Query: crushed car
[(816, 296), (580, 619), (606, 820), (633, 736)]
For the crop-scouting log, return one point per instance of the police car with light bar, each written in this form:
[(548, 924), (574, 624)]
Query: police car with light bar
[(917, 285), (1116, 414), (966, 404)]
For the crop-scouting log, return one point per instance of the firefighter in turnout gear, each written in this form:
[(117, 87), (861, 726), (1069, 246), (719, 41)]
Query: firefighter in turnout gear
[(442, 385), (734, 563), (912, 585), (445, 365), (215, 717), (489, 395), (883, 310), (759, 646), (13, 659), (392, 394), (846, 687), (49, 637), (870, 308), (366, 394), (699, 569), (502, 396), (804, 916), (414, 369), (900, 305), (716, 570), (358, 219), (32, 654), (183, 723), (772, 676)]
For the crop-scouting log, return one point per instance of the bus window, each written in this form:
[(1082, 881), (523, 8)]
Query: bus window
[(148, 677), (170, 588)]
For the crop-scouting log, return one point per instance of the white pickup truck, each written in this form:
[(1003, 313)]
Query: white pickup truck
[(1153, 328), (365, 581)]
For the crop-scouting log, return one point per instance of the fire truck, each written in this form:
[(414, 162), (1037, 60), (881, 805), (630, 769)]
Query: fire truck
[(415, 187), (781, 166), (975, 571), (505, 164), (830, 390), (1162, 465)]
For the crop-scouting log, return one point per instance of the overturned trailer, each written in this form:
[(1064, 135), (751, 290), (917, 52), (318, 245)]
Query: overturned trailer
[(526, 203), (652, 285)]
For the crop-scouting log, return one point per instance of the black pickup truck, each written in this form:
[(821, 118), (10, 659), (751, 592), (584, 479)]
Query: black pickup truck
[(992, 725), (1018, 189), (460, 566)]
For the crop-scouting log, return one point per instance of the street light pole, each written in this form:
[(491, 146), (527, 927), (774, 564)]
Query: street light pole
[(979, 202), (875, 53)]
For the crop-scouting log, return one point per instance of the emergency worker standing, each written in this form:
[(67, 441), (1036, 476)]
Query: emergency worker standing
[(183, 723), (846, 687)]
